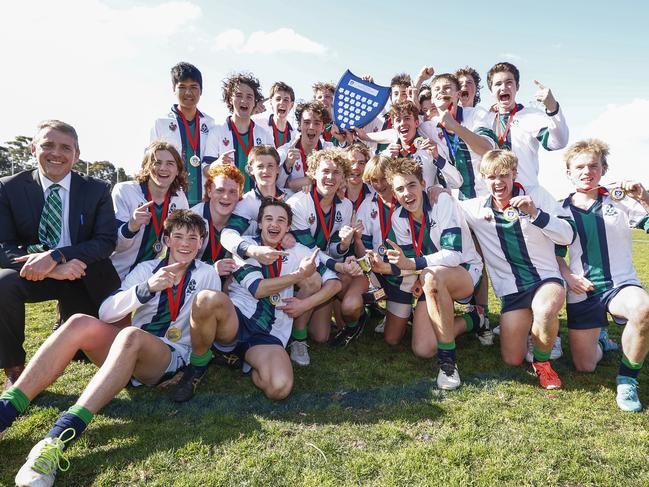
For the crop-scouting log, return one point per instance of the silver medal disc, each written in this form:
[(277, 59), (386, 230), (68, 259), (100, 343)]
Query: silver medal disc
[(195, 161), (382, 250), (157, 247)]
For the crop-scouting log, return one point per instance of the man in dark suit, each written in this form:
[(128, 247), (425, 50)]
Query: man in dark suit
[(57, 231)]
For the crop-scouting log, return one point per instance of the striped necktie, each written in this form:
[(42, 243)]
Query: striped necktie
[(49, 230)]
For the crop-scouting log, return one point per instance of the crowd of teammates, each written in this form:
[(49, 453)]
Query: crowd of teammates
[(242, 242)]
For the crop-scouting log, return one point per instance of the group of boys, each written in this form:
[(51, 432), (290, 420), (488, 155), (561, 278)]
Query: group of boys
[(240, 240)]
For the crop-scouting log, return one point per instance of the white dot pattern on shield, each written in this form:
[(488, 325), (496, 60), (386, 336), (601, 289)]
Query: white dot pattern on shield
[(351, 106)]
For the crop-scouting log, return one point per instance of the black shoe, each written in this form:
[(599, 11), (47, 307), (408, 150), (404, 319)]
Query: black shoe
[(188, 383), (345, 336), (228, 359)]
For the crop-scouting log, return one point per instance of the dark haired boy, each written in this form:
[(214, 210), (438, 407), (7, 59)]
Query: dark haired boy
[(160, 295), (282, 99), (523, 129), (255, 320), (239, 134), (187, 128)]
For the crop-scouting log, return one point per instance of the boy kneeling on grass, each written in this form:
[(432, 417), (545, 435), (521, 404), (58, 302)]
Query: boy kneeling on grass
[(159, 294), (601, 278), (517, 230)]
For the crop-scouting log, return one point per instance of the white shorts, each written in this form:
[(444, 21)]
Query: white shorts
[(176, 362)]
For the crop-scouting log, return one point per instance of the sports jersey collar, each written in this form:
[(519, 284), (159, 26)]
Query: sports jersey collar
[(489, 202), (335, 201), (519, 107), (278, 193), (145, 191), (175, 111), (165, 262)]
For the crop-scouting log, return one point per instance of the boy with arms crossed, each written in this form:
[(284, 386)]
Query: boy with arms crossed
[(255, 319), (517, 229), (153, 348), (601, 278), (188, 129)]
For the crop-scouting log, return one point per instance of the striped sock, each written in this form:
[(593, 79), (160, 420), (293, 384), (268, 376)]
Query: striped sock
[(77, 418), (201, 361), (629, 368), (540, 356), (13, 402), (446, 352), (299, 335)]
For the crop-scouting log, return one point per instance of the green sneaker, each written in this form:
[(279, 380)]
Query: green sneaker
[(627, 394), (45, 459)]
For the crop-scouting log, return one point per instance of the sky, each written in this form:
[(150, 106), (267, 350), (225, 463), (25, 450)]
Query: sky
[(103, 65)]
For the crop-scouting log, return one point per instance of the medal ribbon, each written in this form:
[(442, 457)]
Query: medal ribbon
[(452, 146), (251, 140), (276, 132), (332, 212), (502, 135), (174, 304), (271, 267), (359, 198), (303, 154), (521, 189), (420, 239), (216, 249), (193, 141), (385, 226), (157, 225)]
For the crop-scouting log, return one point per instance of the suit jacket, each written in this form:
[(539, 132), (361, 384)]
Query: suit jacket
[(91, 221)]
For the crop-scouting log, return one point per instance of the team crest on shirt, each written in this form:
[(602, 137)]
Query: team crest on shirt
[(298, 166), (284, 258), (204, 128), (226, 142), (609, 210), (172, 207), (339, 217), (418, 159), (258, 141), (312, 219), (173, 126), (515, 121), (191, 287), (433, 223), (440, 134), (373, 214)]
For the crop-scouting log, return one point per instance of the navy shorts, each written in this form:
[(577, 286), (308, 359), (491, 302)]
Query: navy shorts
[(523, 299), (592, 312)]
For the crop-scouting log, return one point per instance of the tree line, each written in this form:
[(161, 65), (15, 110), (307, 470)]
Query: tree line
[(15, 156)]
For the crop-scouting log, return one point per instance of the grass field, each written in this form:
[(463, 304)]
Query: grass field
[(366, 415)]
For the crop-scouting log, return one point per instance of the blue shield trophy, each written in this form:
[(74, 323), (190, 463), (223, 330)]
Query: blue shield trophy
[(357, 102)]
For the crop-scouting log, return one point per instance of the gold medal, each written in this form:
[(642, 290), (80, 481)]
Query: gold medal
[(195, 160), (275, 299), (173, 334), (511, 214), (419, 142), (618, 193)]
